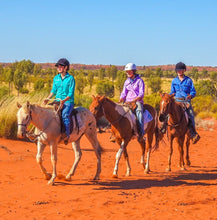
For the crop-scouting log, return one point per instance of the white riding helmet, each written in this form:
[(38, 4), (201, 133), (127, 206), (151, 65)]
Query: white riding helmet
[(130, 66)]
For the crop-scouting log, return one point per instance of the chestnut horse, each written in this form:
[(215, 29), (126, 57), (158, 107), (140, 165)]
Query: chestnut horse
[(123, 126), (48, 125), (177, 127)]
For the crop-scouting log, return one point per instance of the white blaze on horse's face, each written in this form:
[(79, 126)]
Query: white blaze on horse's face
[(23, 120), (162, 105)]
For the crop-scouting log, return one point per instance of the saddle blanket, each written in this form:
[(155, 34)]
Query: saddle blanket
[(147, 116)]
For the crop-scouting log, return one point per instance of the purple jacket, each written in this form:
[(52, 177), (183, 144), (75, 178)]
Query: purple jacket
[(133, 89)]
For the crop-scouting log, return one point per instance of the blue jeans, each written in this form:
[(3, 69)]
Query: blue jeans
[(190, 113), (66, 111), (140, 118)]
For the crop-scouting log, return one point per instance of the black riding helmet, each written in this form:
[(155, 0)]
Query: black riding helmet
[(63, 62), (180, 66)]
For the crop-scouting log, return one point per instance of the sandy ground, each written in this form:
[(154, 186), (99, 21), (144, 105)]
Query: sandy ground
[(191, 194)]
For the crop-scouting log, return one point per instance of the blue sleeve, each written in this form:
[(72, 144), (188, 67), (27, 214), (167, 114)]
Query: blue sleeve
[(172, 90), (71, 87), (192, 89)]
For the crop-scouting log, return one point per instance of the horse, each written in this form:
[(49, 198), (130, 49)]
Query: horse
[(123, 127), (48, 132), (177, 127)]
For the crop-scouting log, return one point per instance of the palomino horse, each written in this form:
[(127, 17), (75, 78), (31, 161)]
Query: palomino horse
[(177, 126), (123, 127), (48, 123)]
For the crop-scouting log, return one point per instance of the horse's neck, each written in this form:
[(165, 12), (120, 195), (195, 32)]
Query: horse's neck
[(112, 111), (176, 113), (41, 116)]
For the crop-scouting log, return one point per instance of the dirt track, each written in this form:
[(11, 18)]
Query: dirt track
[(190, 194)]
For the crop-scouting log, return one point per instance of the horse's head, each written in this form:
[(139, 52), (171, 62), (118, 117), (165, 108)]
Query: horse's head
[(96, 106), (23, 119), (165, 105)]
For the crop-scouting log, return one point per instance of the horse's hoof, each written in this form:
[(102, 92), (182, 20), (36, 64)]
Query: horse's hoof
[(147, 171), (183, 169), (96, 178), (50, 183), (188, 163), (115, 176), (48, 176), (168, 169), (128, 174), (68, 178)]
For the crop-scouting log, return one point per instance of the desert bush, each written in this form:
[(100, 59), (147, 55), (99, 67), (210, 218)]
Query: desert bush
[(214, 108), (153, 100), (204, 115), (202, 103), (105, 88), (83, 100)]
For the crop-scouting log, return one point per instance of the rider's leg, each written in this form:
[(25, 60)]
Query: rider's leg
[(194, 135), (140, 120), (66, 111)]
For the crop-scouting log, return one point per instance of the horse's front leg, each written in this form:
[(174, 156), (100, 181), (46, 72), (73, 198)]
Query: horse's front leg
[(53, 151), (78, 154), (143, 146), (181, 152), (118, 157), (128, 173), (170, 155), (40, 150), (188, 162), (147, 165)]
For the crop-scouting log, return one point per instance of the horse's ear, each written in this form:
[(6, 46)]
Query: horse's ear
[(173, 95), (93, 97), (19, 105), (28, 105), (161, 95)]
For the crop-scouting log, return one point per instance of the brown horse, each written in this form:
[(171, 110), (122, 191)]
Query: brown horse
[(123, 126), (177, 126)]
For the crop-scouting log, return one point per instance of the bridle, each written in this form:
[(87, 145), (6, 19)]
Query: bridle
[(27, 123)]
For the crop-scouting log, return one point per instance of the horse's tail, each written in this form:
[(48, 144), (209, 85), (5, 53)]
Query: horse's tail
[(157, 139)]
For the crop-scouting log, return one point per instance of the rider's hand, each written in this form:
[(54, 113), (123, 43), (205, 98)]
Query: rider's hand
[(189, 97), (61, 103), (121, 100), (45, 101)]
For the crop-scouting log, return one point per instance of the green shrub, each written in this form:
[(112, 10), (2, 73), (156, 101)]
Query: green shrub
[(204, 115), (153, 100), (3, 92), (214, 108), (105, 88), (83, 100), (202, 103)]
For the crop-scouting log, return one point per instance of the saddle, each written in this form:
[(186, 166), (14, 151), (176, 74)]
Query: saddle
[(73, 114)]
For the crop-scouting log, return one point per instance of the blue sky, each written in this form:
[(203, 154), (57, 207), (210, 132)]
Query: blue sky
[(146, 32)]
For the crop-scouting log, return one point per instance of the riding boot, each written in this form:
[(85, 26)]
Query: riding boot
[(193, 134)]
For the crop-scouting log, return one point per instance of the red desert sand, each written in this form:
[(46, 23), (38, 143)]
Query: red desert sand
[(190, 194)]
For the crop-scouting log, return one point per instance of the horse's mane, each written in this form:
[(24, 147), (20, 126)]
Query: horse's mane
[(47, 108)]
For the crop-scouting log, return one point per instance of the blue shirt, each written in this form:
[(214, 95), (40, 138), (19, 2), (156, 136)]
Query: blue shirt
[(183, 88), (64, 87)]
